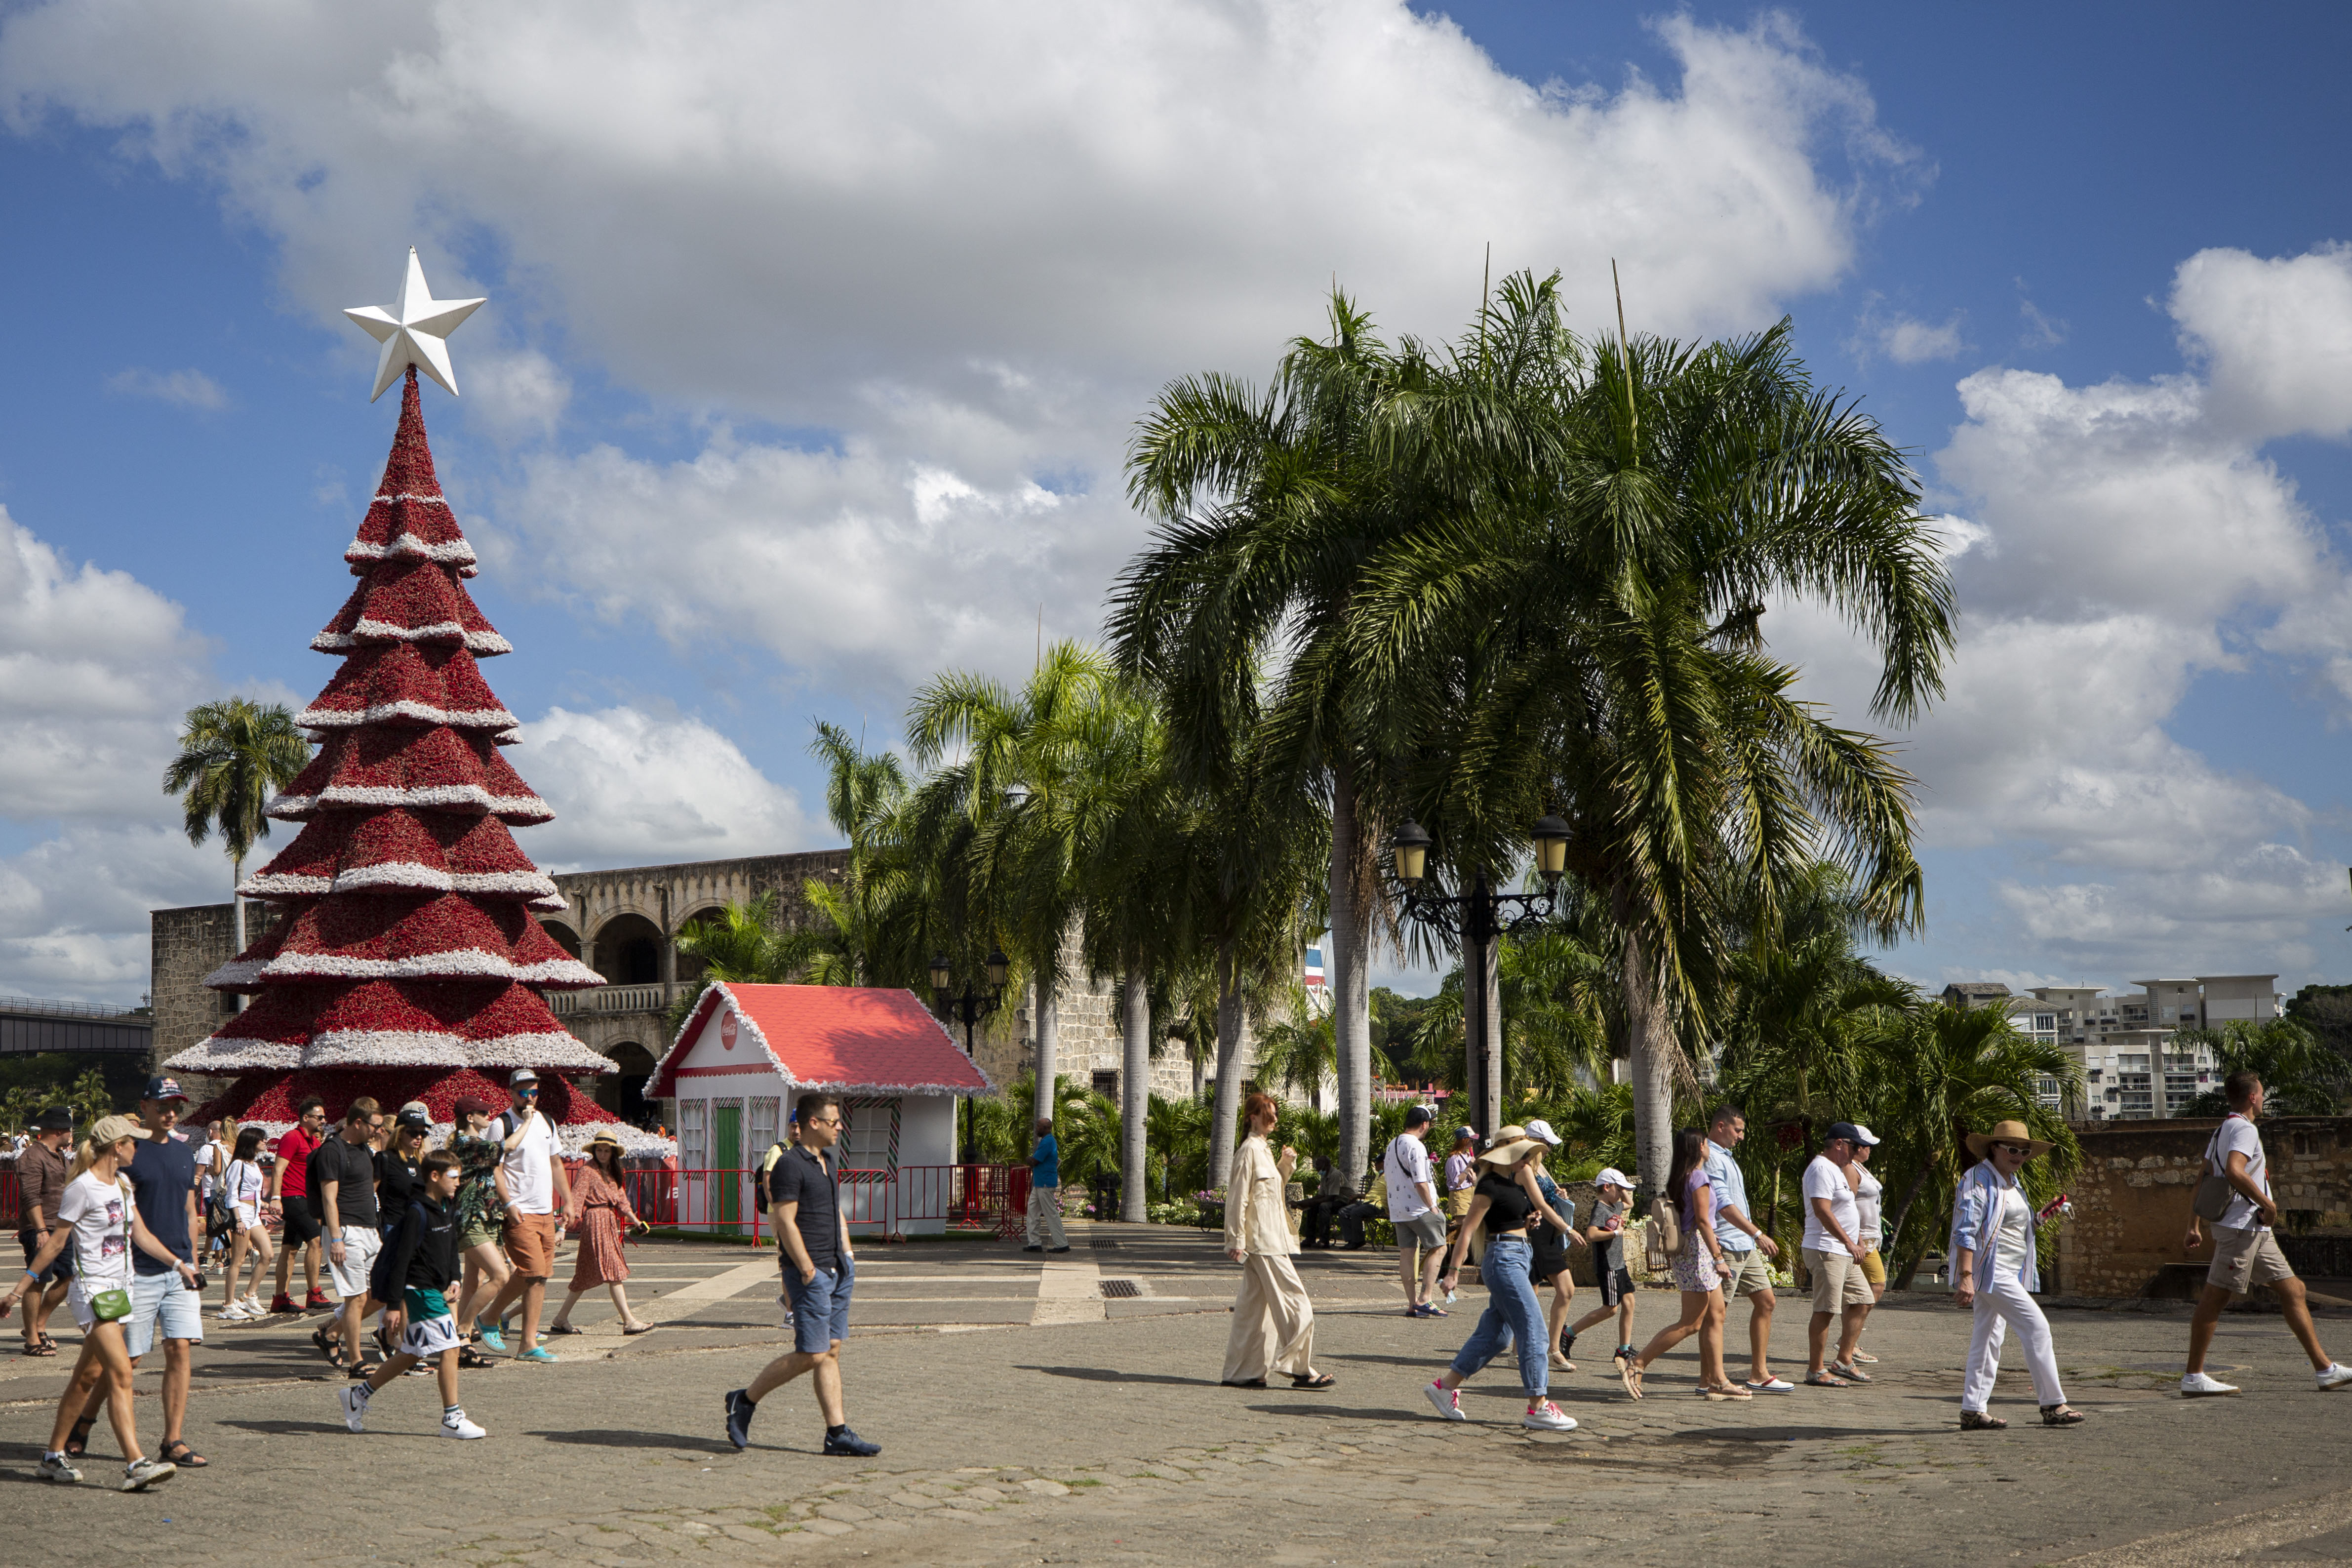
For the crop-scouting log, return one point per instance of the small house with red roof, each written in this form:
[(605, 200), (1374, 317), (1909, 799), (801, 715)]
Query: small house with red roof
[(747, 1052)]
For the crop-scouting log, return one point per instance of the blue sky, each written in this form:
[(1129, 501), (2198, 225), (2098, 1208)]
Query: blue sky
[(813, 338)]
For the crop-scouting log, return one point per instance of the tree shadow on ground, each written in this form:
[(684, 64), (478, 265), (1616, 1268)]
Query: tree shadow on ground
[(284, 1428), (621, 1437), (1110, 1374)]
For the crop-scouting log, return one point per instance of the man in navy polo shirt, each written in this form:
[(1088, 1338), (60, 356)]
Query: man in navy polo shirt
[(165, 1184)]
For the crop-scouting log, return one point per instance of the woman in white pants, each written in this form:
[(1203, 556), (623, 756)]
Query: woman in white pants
[(1273, 1323), (1994, 1271)]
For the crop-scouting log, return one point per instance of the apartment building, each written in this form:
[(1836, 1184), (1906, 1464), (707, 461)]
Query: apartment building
[(2134, 1066)]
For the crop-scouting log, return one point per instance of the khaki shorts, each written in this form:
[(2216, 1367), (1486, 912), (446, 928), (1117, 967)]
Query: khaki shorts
[(1873, 1266), (2245, 1258), (531, 1243), (1745, 1273), (1838, 1280)]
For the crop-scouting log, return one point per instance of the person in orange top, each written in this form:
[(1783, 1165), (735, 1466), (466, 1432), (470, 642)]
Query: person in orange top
[(601, 1194)]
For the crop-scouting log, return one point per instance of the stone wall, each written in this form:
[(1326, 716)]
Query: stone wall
[(184, 946), (2132, 1198)]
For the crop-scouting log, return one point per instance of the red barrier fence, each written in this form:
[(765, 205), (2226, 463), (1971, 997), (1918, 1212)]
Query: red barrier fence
[(727, 1202), (11, 1198)]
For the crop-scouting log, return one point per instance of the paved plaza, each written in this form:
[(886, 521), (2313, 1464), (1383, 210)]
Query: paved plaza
[(1067, 1410)]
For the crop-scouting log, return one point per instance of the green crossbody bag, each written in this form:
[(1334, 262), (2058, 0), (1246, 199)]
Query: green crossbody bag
[(108, 1306)]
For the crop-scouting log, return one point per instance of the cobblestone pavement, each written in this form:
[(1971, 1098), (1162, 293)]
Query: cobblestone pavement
[(1093, 1430)]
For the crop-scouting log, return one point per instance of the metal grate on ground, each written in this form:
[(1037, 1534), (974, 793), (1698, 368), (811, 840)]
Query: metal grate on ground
[(1121, 1289)]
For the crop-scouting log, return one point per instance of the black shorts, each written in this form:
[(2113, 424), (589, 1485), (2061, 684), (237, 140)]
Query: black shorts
[(1616, 1284), (301, 1219), (30, 1240)]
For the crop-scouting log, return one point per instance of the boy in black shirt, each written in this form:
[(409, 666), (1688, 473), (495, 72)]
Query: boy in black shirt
[(820, 1271), (423, 1265)]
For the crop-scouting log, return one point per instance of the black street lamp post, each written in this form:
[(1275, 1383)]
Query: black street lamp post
[(1478, 917), (969, 1007)]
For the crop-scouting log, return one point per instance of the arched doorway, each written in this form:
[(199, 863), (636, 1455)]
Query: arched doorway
[(623, 1092), (628, 950), (565, 937)]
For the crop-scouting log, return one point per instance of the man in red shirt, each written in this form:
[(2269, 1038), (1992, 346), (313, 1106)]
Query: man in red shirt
[(289, 1196)]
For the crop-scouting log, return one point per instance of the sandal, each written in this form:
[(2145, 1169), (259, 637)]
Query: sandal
[(1825, 1380), (364, 1369), (1849, 1371), (1977, 1421), (36, 1348), (177, 1452), (1866, 1358), (332, 1350), (1630, 1370), (2062, 1416), (561, 1329), (639, 1329), (77, 1440), (1313, 1380), (1730, 1391), (472, 1360)]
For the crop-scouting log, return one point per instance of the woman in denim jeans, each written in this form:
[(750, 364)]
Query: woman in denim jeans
[(1504, 1199)]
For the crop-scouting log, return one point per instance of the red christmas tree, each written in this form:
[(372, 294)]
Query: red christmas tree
[(406, 963)]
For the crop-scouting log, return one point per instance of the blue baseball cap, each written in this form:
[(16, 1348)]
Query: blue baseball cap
[(161, 1089)]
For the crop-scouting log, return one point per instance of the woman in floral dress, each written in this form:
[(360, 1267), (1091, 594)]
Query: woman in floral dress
[(599, 1194), (482, 1199)]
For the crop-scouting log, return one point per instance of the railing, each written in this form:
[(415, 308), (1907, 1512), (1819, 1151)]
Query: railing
[(61, 1009), (613, 999), (722, 1202)]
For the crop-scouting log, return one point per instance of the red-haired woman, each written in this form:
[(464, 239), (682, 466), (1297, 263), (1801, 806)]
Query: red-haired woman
[(1273, 1323)]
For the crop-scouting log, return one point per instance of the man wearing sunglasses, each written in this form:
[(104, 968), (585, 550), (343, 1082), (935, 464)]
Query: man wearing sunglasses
[(536, 1188)]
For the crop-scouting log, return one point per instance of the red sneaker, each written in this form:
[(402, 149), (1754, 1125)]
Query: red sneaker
[(315, 1301), (282, 1302)]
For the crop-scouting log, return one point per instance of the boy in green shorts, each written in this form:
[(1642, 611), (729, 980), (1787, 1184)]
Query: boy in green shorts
[(421, 1260)]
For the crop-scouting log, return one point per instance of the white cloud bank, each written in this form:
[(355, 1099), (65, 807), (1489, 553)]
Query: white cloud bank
[(962, 244), (633, 788)]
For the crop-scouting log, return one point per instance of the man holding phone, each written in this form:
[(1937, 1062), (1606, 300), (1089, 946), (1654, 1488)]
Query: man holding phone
[(820, 1272)]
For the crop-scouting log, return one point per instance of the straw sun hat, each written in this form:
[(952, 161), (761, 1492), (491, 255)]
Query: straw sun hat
[(2007, 1133), (1510, 1146)]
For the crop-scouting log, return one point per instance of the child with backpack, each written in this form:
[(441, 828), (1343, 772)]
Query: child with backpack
[(421, 1262)]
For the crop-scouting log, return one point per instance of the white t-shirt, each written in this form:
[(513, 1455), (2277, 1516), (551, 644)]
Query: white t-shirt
[(1407, 1165), (1823, 1179), (2237, 1136), (244, 1182), (2008, 1239), (529, 1182), (101, 1214), (1868, 1202), (209, 1159)]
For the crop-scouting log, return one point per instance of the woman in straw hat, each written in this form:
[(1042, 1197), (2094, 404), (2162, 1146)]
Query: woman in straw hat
[(1994, 1271), (98, 1217), (1503, 1201), (601, 1191)]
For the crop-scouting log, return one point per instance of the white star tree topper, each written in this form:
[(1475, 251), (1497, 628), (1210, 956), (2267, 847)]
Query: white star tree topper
[(413, 329)]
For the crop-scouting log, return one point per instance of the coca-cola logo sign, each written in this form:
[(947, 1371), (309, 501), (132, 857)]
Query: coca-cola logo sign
[(727, 1031)]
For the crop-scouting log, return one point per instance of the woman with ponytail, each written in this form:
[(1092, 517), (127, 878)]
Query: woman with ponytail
[(98, 1219)]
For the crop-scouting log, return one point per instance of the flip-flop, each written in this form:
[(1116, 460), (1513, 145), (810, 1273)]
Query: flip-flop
[(1630, 1372), (1824, 1380), (561, 1329), (187, 1459), (1866, 1358), (640, 1329), (1313, 1380)]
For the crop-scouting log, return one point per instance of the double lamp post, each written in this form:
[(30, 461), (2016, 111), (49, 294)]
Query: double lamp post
[(969, 1007), (1476, 916)]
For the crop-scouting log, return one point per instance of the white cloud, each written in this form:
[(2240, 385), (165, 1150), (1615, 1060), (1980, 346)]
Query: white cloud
[(964, 242), (517, 396), (632, 788), (74, 907), (187, 388), (1902, 337), (2274, 336)]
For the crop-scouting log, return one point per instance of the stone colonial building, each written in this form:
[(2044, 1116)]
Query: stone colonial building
[(624, 923)]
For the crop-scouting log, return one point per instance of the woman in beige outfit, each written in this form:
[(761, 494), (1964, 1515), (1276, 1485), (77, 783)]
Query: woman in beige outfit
[(1273, 1323)]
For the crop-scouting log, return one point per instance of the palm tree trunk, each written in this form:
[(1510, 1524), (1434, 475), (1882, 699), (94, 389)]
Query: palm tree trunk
[(1351, 974), (1134, 1094), (1650, 1040), (1232, 1045), (1045, 1016)]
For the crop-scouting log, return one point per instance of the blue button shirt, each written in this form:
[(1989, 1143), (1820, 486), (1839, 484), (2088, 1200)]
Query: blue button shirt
[(1730, 1185), (1049, 1163)]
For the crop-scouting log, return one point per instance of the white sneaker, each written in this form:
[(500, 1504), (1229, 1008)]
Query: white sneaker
[(455, 1424), (1548, 1417), (353, 1398), (2196, 1385), (2338, 1375), (141, 1474), (1773, 1385), (233, 1313), (1447, 1402), (253, 1307)]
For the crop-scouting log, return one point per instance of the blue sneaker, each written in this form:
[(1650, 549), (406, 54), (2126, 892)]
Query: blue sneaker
[(491, 1337), (738, 1417), (848, 1442), (540, 1353)]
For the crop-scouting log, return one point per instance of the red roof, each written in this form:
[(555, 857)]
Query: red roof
[(848, 1038)]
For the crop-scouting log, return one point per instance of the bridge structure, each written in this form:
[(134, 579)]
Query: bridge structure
[(30, 1025)]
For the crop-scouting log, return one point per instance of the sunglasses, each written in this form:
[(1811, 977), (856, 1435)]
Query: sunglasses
[(529, 1091)]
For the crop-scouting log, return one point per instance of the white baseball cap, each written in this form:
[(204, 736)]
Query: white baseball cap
[(1864, 1135), (1612, 1177), (1542, 1134)]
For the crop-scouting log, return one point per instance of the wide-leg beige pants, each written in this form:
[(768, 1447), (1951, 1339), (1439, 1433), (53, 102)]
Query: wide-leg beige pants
[(1046, 1217), (1274, 1323)]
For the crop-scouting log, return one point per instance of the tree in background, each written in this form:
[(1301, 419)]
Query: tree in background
[(2301, 1076), (744, 944), (234, 755)]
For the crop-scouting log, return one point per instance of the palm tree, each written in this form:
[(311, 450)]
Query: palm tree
[(234, 755), (2301, 1077), (744, 944), (1299, 1054), (1643, 501)]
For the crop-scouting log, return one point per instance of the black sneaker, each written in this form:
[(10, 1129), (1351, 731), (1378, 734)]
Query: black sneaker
[(849, 1443), (1034, 1248), (1057, 1250), (739, 1406)]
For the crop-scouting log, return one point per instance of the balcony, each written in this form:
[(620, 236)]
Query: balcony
[(611, 999)]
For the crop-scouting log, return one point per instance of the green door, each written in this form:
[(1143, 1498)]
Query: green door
[(727, 1161)]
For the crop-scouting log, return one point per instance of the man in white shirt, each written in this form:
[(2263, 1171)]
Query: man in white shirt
[(1833, 1256), (2246, 1253), (1412, 1210), (536, 1187), (1745, 1246)]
